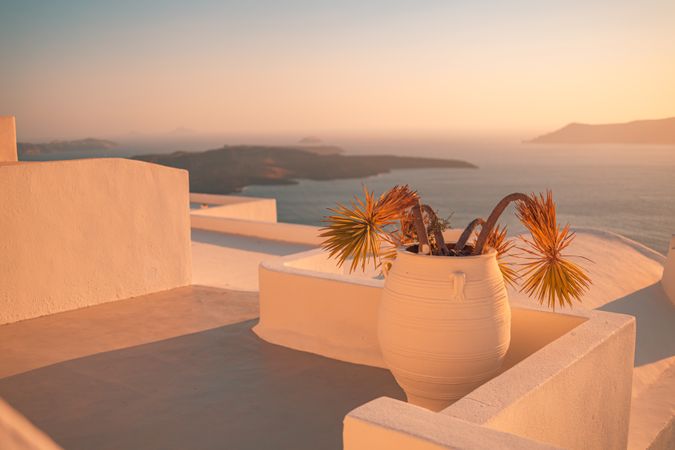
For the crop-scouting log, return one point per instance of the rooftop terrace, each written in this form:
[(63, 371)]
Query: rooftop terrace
[(135, 331)]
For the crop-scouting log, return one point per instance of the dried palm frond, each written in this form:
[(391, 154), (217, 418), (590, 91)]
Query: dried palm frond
[(550, 276), (359, 230), (406, 234), (497, 240)]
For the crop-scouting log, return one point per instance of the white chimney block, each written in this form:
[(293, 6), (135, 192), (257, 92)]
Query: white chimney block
[(668, 281), (7, 139)]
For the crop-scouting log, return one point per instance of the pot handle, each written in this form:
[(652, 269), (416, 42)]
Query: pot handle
[(458, 282)]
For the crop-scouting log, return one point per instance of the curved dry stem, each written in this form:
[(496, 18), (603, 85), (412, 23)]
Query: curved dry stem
[(420, 228), (494, 217), (466, 234)]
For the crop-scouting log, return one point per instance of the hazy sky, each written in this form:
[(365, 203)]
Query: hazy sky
[(103, 68)]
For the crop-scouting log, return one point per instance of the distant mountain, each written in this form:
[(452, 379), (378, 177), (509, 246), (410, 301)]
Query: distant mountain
[(310, 140), (229, 169), (660, 131), (89, 144)]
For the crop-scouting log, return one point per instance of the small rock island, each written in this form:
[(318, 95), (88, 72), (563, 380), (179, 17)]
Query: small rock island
[(231, 168), (55, 147)]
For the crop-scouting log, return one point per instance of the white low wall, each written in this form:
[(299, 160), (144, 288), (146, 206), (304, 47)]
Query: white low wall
[(284, 232), (573, 393), (329, 314), (388, 424), (308, 304), (668, 281), (235, 207), (83, 232), (7, 139)]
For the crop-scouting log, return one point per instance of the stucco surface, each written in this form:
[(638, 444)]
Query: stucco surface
[(83, 232), (573, 393), (7, 139), (285, 232), (236, 207), (386, 424), (177, 370), (231, 261), (323, 315)]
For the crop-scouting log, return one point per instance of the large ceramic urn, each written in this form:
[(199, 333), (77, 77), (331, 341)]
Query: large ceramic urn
[(444, 325)]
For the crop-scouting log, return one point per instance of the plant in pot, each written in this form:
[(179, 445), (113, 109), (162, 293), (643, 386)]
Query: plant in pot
[(445, 322)]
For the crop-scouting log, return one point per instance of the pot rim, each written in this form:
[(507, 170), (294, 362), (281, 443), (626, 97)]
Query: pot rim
[(404, 251)]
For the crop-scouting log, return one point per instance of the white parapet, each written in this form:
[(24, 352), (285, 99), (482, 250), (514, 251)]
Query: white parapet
[(7, 139), (388, 424), (284, 232), (83, 232), (574, 392), (668, 280), (234, 207)]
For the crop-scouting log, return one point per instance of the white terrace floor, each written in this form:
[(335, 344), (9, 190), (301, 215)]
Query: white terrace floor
[(182, 369), (231, 262)]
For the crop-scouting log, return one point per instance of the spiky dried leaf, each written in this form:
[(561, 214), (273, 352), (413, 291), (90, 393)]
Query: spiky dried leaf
[(549, 275), (358, 231), (498, 240)]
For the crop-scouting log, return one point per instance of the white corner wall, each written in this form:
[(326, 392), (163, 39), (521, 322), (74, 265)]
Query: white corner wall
[(574, 393), (79, 233), (388, 424), (7, 139), (326, 314), (668, 280), (284, 232), (236, 207)]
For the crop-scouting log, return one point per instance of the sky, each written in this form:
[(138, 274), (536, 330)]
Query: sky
[(71, 69)]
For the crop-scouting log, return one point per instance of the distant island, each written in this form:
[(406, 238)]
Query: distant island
[(658, 132), (89, 144), (231, 168), (310, 140)]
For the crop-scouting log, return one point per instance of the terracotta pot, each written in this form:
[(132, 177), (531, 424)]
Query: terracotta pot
[(444, 325)]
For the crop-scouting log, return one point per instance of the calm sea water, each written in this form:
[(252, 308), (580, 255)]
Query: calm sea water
[(629, 190), (626, 189)]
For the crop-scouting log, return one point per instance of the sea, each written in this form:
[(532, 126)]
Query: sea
[(626, 189)]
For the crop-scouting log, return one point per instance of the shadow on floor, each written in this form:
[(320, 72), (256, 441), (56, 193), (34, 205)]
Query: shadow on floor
[(655, 320), (216, 389), (249, 244)]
